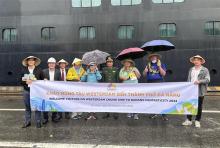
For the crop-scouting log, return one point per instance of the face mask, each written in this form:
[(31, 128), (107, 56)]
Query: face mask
[(154, 61)]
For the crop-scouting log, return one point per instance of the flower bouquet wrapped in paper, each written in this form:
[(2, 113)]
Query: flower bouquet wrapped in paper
[(28, 77)]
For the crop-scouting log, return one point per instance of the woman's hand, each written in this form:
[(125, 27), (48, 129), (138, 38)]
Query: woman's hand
[(197, 82), (29, 82), (96, 68), (158, 63), (146, 69), (137, 73), (123, 78)]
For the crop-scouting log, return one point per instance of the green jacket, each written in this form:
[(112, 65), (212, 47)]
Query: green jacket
[(110, 75)]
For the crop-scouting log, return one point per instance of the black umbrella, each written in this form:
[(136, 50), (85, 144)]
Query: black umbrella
[(158, 45)]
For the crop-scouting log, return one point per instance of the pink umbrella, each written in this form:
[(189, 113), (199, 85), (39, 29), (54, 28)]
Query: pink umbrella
[(132, 53)]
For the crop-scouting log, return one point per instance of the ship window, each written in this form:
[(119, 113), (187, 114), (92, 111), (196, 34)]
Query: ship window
[(48, 33), (87, 32), (125, 2), (167, 30), (126, 32), (86, 3), (212, 28), (167, 1), (9, 34)]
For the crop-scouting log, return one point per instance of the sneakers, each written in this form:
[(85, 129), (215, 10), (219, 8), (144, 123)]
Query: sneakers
[(187, 123), (197, 124), (91, 117), (164, 118), (75, 118), (136, 117), (129, 115), (153, 116), (26, 125), (79, 116)]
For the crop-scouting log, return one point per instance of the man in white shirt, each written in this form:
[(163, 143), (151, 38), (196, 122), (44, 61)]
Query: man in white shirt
[(51, 74), (199, 75), (194, 74)]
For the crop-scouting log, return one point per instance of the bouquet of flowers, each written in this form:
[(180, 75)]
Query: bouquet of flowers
[(28, 77)]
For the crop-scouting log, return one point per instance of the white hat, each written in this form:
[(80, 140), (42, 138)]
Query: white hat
[(62, 61), (197, 56), (51, 60), (37, 60), (76, 60)]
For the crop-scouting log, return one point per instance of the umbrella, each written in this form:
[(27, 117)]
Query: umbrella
[(95, 56), (132, 53), (158, 45)]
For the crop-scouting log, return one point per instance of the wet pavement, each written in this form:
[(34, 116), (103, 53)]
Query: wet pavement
[(109, 132)]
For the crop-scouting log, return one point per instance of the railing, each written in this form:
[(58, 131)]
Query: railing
[(213, 91), (11, 90)]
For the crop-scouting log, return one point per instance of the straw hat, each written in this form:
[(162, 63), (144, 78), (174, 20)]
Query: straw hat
[(51, 60), (128, 60), (197, 56), (62, 61), (37, 60), (76, 60), (154, 54)]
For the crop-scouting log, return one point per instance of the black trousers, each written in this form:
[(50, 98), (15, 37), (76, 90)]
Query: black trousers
[(199, 114), (67, 114), (109, 114), (46, 115)]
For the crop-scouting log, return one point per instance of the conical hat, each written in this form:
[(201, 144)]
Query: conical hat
[(197, 56), (62, 61), (154, 54), (76, 60), (129, 60), (37, 60)]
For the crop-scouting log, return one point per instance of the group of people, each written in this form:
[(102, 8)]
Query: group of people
[(154, 72)]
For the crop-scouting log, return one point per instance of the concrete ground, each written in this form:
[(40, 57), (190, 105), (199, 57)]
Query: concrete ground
[(109, 132)]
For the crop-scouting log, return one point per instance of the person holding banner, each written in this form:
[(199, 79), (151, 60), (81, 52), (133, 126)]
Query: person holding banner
[(155, 72), (63, 71), (74, 74), (92, 75), (129, 74), (200, 76), (110, 75), (51, 74), (30, 73)]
